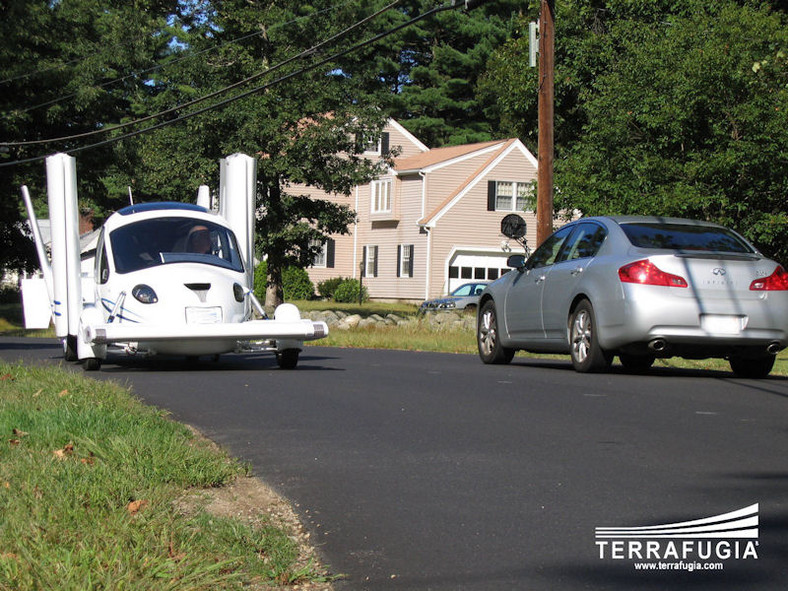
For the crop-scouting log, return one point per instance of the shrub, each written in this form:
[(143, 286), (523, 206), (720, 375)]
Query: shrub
[(295, 283), (328, 287), (348, 291)]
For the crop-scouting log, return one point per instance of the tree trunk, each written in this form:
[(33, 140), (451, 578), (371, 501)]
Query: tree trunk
[(274, 295)]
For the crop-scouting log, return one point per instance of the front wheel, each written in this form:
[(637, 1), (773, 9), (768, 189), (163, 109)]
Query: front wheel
[(587, 355), (490, 349), (287, 359), (752, 367), (70, 348)]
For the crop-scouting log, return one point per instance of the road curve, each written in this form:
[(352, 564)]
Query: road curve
[(432, 471)]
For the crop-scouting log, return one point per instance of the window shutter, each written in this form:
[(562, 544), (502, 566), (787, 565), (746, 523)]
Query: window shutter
[(490, 195), (410, 261), (399, 260), (330, 250), (364, 261), (384, 143), (375, 266)]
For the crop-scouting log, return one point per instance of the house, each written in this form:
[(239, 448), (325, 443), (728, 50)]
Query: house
[(432, 222)]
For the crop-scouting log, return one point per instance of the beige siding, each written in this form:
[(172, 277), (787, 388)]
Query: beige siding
[(468, 226)]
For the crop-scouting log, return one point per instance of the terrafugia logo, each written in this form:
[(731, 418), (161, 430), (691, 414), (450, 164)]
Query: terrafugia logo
[(722, 537)]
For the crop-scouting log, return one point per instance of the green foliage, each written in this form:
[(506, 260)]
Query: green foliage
[(296, 284), (327, 288), (348, 292), (438, 63), (663, 108)]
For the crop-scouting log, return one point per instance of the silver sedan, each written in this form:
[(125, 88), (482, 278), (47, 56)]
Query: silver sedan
[(640, 288)]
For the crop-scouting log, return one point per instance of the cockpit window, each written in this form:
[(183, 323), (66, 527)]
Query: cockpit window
[(160, 241)]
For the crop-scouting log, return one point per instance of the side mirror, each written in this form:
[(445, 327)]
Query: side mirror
[(516, 261)]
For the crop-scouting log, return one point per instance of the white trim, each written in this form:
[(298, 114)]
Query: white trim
[(458, 159), (408, 135), (429, 264), (355, 239), (516, 144)]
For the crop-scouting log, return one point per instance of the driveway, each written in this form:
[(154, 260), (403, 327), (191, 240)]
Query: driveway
[(432, 471)]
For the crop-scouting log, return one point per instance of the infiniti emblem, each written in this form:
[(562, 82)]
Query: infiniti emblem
[(718, 271)]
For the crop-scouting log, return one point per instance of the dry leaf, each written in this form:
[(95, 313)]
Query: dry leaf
[(66, 451), (19, 432), (135, 507), (63, 393), (6, 376), (14, 441)]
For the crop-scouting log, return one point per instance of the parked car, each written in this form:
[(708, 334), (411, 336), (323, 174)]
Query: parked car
[(465, 296), (639, 288)]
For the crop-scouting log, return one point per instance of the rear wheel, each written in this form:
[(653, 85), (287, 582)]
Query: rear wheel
[(287, 359), (487, 338), (587, 355), (752, 367), (636, 363)]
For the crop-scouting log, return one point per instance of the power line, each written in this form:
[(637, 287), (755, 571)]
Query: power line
[(305, 53), (246, 93), (167, 64)]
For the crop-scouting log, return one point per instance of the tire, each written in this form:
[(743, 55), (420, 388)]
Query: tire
[(70, 348), (92, 364), (287, 359), (487, 338), (587, 355), (636, 363), (752, 367)]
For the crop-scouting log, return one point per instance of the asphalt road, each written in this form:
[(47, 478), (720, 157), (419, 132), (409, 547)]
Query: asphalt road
[(429, 471)]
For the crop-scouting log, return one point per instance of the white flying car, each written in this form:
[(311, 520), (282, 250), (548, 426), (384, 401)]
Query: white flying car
[(168, 278)]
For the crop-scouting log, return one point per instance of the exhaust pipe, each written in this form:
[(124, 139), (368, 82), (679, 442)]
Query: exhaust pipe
[(773, 348), (657, 345)]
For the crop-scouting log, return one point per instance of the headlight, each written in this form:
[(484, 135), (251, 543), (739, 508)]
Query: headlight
[(238, 292), (144, 294), (448, 305)]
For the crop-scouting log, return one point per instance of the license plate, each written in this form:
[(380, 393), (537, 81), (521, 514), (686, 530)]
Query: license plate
[(716, 324), (203, 315)]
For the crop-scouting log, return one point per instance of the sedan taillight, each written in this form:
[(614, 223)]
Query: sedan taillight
[(777, 281), (647, 273)]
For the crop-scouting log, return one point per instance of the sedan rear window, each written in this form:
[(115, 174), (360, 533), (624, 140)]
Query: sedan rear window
[(685, 237)]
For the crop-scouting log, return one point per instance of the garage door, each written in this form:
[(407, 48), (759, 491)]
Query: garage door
[(470, 266)]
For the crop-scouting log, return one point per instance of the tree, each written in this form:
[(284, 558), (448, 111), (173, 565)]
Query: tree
[(672, 109), (67, 70), (438, 63), (303, 126)]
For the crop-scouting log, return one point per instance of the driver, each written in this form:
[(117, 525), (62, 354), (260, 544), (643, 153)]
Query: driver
[(198, 240)]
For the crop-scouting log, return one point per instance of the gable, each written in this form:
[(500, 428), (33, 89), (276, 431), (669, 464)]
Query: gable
[(511, 154)]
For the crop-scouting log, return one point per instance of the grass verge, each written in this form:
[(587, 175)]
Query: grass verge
[(90, 482)]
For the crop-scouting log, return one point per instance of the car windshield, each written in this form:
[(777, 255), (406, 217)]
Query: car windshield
[(159, 241), (684, 237)]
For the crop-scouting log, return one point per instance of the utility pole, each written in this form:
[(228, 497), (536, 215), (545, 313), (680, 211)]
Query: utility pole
[(544, 178)]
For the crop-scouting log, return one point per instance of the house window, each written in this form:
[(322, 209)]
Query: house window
[(381, 196), (509, 196), (376, 144), (370, 260), (324, 259), (405, 260)]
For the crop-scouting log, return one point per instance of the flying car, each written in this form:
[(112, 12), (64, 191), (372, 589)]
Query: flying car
[(168, 278)]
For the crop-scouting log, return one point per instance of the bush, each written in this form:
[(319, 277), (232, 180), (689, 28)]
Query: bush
[(348, 291), (295, 283), (327, 288)]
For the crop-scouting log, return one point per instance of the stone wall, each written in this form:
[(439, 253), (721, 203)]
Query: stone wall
[(442, 320)]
